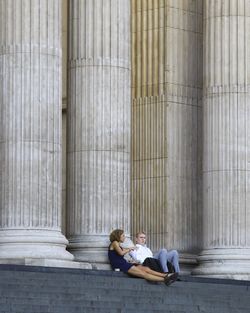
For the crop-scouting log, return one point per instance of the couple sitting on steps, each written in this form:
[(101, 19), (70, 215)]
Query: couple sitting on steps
[(140, 254)]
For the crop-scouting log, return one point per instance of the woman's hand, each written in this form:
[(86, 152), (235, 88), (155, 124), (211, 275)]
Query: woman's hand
[(118, 249)]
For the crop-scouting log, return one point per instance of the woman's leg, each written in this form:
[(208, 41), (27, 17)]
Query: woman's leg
[(152, 272), (137, 271)]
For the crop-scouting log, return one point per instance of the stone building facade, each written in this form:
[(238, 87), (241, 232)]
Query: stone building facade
[(127, 114)]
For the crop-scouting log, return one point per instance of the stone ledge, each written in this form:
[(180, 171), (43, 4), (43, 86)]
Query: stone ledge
[(109, 273), (46, 263)]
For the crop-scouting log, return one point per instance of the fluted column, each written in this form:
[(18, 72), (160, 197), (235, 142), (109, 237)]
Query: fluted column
[(98, 160), (167, 62), (30, 131), (149, 145), (183, 90), (226, 115), (167, 91)]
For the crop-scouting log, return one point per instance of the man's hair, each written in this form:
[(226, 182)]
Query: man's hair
[(116, 235), (139, 233)]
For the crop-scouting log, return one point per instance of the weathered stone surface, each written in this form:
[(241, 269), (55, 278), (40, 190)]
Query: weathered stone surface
[(226, 206), (166, 123), (98, 155), (30, 131)]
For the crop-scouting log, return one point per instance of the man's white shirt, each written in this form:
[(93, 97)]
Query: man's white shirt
[(141, 253)]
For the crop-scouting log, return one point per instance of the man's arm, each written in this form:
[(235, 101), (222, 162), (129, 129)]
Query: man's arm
[(140, 253)]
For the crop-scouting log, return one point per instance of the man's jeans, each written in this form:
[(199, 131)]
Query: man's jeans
[(172, 256)]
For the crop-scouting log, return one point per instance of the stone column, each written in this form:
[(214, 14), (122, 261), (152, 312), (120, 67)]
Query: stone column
[(98, 160), (226, 154), (30, 131), (183, 97), (149, 146), (167, 62)]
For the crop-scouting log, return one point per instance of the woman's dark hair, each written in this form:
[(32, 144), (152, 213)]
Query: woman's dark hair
[(116, 235)]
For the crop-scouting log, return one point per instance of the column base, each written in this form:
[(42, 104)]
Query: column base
[(47, 263), (21, 244), (90, 248), (224, 263), (187, 262)]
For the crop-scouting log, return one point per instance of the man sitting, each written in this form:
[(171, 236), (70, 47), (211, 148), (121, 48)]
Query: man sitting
[(141, 252)]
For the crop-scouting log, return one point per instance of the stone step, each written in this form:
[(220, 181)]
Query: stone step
[(102, 276), (131, 285), (95, 294), (106, 306), (47, 290)]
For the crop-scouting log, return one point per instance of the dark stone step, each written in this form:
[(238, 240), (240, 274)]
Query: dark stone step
[(99, 273), (51, 290), (129, 286), (177, 298)]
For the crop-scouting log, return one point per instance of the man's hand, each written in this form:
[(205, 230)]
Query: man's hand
[(131, 249)]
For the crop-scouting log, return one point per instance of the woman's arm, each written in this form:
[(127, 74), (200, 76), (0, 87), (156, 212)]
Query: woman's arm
[(133, 254), (115, 245)]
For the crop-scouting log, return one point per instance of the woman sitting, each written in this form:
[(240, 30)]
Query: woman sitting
[(116, 253)]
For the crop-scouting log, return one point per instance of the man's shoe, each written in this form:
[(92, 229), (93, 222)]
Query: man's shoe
[(170, 278)]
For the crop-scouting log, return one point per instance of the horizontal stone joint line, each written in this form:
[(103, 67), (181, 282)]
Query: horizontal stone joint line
[(95, 150), (171, 7), (221, 16), (161, 176), (149, 159), (31, 53), (98, 65), (227, 170), (183, 29), (34, 141)]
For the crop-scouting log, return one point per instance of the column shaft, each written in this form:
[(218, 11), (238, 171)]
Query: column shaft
[(167, 60), (183, 90), (30, 130), (149, 146), (98, 178), (226, 115)]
